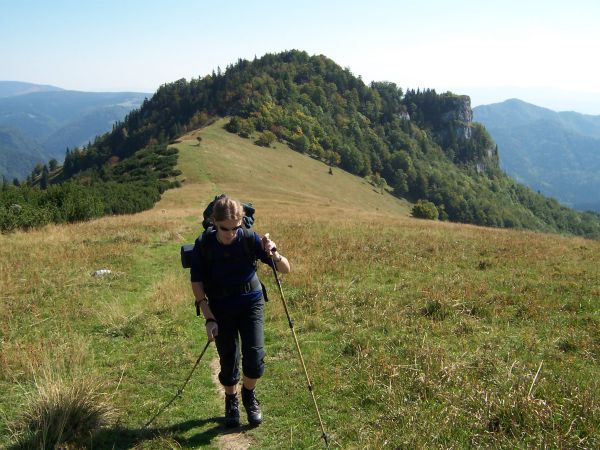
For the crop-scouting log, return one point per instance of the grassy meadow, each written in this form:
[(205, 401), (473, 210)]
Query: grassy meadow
[(416, 334)]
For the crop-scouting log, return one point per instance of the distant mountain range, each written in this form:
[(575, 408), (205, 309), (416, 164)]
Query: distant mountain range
[(556, 153), (38, 122), (15, 88)]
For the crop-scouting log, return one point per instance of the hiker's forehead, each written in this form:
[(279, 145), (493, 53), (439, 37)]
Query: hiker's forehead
[(228, 222)]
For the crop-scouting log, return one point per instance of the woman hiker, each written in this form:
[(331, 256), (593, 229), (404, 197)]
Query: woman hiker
[(227, 289)]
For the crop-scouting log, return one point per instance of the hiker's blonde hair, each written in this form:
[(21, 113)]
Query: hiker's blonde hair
[(227, 208)]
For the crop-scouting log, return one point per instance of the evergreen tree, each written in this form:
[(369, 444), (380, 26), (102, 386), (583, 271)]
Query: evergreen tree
[(44, 178)]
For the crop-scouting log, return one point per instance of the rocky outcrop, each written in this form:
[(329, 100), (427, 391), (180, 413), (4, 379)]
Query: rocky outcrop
[(461, 138), (459, 116)]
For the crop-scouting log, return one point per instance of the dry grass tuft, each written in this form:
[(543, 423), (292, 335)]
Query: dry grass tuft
[(60, 412)]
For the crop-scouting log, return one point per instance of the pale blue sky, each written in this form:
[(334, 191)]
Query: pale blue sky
[(544, 52)]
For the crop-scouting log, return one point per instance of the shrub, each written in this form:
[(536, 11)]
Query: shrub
[(246, 130), (265, 139), (25, 217), (234, 125), (425, 210)]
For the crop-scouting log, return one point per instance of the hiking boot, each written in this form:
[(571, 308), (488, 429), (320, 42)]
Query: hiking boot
[(232, 411), (252, 406)]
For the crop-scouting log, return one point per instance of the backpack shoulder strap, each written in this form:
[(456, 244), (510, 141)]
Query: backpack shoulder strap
[(248, 240), (205, 248)]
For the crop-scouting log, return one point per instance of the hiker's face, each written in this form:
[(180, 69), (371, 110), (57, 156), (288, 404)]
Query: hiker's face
[(227, 229)]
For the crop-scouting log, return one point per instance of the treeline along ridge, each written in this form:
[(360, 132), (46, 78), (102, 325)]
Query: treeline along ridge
[(420, 144)]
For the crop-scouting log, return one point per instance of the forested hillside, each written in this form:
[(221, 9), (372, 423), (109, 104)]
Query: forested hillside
[(422, 145), (18, 154), (45, 120), (556, 153)]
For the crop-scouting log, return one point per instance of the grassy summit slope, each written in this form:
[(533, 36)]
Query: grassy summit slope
[(416, 334), (273, 177)]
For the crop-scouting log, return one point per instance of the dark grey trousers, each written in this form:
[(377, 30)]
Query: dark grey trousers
[(245, 325)]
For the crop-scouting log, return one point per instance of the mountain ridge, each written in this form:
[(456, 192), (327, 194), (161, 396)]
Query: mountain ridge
[(16, 88), (20, 153), (55, 119), (557, 153), (422, 145), (521, 112)]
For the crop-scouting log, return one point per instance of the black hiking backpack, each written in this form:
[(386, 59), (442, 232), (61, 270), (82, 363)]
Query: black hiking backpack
[(247, 242), (247, 221)]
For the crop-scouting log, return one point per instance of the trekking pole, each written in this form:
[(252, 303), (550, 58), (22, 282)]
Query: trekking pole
[(180, 390), (291, 324)]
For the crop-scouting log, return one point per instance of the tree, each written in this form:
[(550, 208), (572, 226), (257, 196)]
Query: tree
[(301, 143), (352, 159), (379, 182), (37, 170), (44, 179), (400, 183), (246, 129), (332, 158), (391, 98), (234, 125), (52, 164)]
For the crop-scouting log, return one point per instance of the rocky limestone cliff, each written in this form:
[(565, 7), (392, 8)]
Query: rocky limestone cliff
[(466, 141), (460, 116)]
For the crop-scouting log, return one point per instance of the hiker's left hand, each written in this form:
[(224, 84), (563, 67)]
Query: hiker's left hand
[(267, 244)]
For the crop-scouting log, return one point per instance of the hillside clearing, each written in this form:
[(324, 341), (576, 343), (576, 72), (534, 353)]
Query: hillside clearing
[(417, 334)]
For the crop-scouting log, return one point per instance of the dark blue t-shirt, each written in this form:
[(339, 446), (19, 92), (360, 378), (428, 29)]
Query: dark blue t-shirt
[(230, 266)]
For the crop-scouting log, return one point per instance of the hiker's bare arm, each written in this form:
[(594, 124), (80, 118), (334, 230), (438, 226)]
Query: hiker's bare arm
[(212, 327), (281, 262), (198, 289)]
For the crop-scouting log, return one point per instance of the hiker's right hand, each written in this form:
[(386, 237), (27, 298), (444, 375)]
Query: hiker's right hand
[(212, 330)]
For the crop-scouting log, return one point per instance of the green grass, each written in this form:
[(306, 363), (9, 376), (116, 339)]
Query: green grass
[(416, 334), (277, 177)]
